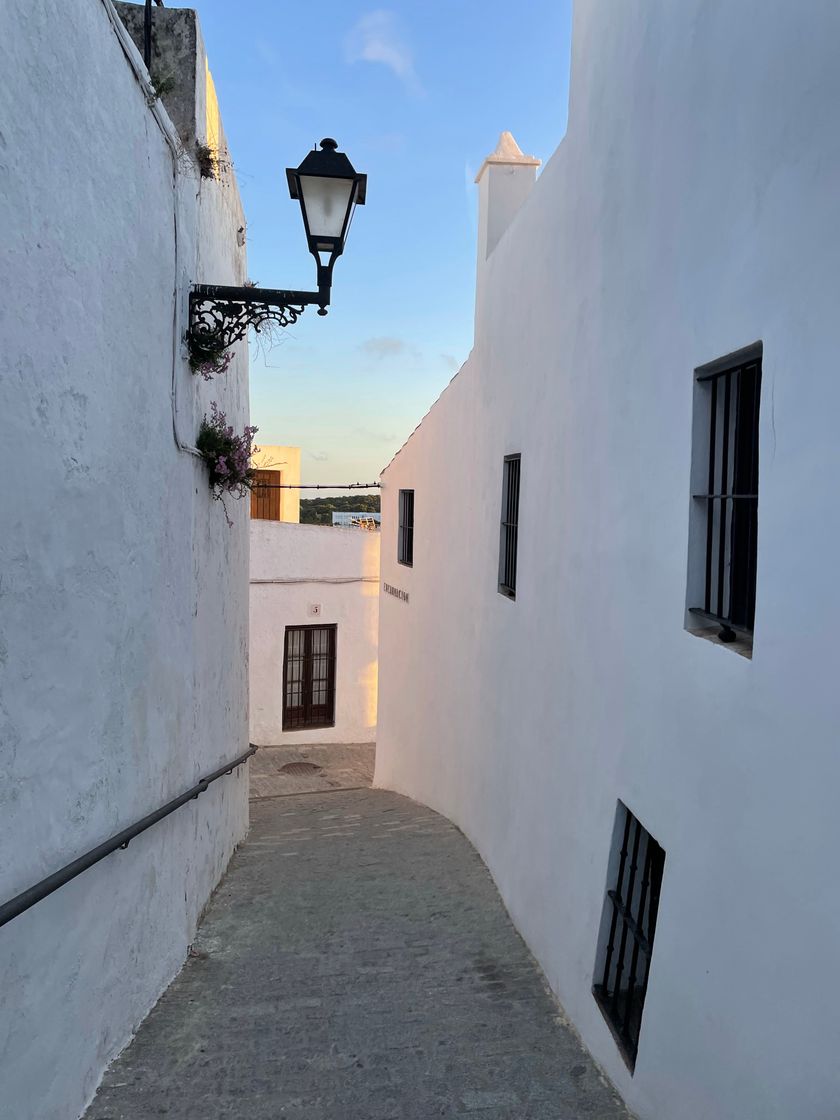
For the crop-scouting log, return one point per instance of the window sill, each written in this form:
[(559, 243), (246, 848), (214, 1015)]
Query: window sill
[(742, 645), (507, 593), (308, 727), (605, 1007)]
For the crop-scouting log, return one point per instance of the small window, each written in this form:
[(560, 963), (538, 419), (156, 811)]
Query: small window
[(265, 496), (725, 495), (510, 527), (628, 925), (309, 677), (405, 540)]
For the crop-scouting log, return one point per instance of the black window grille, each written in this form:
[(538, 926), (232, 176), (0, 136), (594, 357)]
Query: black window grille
[(509, 538), (628, 925), (731, 395), (309, 677), (405, 540)]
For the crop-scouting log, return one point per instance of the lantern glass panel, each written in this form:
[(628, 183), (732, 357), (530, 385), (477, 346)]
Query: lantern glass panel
[(326, 201)]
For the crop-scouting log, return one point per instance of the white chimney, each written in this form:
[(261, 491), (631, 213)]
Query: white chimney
[(504, 182)]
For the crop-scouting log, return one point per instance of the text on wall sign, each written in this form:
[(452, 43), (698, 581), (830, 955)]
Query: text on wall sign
[(395, 591)]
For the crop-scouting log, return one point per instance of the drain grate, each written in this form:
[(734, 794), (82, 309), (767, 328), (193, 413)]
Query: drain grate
[(300, 769)]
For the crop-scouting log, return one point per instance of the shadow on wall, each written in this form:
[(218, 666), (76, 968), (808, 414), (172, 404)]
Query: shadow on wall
[(369, 684), (369, 678)]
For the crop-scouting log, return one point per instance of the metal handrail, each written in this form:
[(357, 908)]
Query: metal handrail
[(28, 898)]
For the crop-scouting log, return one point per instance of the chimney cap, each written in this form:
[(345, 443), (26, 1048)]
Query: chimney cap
[(508, 152)]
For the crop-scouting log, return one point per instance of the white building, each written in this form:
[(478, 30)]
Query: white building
[(686, 226), (314, 634), (123, 592)]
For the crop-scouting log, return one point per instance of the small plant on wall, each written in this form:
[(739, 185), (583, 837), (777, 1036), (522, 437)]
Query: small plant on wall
[(212, 162), (208, 358), (207, 160), (164, 82), (227, 455)]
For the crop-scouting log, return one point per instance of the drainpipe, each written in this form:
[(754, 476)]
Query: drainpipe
[(147, 35)]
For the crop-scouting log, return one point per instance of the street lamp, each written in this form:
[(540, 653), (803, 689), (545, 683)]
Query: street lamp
[(328, 189)]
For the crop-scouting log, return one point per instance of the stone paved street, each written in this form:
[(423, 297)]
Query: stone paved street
[(355, 964)]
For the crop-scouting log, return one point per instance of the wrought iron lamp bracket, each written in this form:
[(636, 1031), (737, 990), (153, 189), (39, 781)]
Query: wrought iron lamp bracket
[(221, 315)]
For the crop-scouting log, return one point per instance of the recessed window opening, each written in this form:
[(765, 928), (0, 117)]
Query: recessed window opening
[(724, 538), (509, 537), (309, 677), (405, 532), (628, 925)]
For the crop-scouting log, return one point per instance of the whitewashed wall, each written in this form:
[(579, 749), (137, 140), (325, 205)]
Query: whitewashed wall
[(123, 593), (690, 210), (308, 559)]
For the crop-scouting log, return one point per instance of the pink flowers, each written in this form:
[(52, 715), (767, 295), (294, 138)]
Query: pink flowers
[(209, 367), (227, 455)]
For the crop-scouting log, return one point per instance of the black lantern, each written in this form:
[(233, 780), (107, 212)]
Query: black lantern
[(329, 190)]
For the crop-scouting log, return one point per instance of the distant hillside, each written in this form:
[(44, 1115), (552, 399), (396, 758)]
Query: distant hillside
[(319, 511)]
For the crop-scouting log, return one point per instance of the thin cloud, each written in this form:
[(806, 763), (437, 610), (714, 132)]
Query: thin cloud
[(450, 361), (375, 437), (377, 37), (319, 456), (383, 347)]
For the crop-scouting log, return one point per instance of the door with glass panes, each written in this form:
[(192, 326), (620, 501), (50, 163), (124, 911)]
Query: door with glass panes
[(309, 677)]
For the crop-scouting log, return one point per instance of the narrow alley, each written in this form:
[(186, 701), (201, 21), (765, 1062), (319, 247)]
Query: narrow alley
[(450, 387), (356, 963)]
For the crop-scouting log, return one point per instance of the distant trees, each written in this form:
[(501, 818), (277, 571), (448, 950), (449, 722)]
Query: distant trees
[(319, 511)]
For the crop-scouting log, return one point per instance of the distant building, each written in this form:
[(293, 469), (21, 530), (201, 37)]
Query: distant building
[(314, 634), (276, 496), (362, 520)]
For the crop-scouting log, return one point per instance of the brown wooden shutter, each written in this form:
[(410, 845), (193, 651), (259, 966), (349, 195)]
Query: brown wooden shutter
[(265, 497)]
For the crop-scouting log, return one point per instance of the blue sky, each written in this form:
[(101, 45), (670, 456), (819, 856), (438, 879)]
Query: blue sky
[(416, 94)]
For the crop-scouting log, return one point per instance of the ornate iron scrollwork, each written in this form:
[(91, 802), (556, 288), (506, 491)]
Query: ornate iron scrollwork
[(221, 316), (216, 325)]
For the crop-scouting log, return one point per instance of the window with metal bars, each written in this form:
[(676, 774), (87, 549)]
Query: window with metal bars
[(628, 925), (309, 677), (405, 533), (509, 537), (726, 464)]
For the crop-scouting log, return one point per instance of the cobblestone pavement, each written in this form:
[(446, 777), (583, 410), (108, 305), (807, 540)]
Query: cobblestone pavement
[(355, 964), (334, 766)]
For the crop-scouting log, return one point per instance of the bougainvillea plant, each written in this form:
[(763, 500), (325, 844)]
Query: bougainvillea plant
[(227, 455), (208, 361)]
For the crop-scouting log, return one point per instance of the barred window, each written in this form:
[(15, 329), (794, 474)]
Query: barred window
[(628, 925), (309, 677), (728, 394), (405, 537), (509, 538)]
